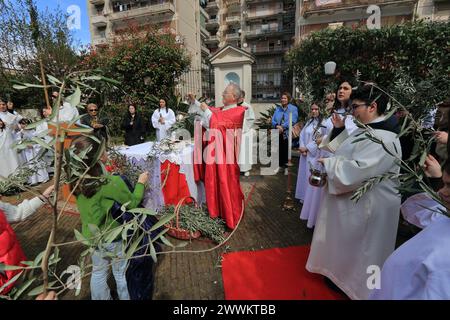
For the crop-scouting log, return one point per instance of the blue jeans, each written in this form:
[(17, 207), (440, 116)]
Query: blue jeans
[(100, 269)]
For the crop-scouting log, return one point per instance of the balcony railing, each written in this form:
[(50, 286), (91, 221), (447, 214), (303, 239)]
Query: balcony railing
[(212, 40), (98, 20), (311, 8), (212, 5), (277, 49), (97, 1), (134, 10), (262, 32), (233, 36), (268, 66), (233, 19)]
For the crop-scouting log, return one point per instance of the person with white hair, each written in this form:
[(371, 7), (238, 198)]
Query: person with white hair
[(224, 196)]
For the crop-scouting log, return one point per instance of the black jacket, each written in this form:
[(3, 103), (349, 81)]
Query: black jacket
[(134, 129)]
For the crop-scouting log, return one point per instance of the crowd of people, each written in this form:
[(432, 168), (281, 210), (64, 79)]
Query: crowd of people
[(350, 237)]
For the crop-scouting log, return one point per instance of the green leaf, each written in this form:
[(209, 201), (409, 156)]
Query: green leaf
[(80, 237), (75, 98), (145, 211), (115, 82), (53, 80), (38, 290), (164, 220), (4, 267), (11, 281), (111, 236), (42, 143), (166, 241), (153, 252), (93, 229), (22, 288), (19, 87), (134, 246)]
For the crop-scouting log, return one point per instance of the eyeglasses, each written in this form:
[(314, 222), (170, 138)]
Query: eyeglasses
[(356, 105)]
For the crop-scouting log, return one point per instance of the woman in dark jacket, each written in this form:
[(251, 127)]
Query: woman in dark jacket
[(134, 127)]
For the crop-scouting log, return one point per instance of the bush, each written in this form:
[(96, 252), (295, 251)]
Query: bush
[(418, 49)]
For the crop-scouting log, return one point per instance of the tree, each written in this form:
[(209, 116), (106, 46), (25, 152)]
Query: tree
[(418, 49), (25, 32)]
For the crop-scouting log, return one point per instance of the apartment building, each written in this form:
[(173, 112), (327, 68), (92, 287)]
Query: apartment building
[(265, 28), (180, 17), (314, 15), (434, 10)]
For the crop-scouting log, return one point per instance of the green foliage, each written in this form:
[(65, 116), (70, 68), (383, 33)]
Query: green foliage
[(194, 219), (420, 50), (147, 63), (25, 39)]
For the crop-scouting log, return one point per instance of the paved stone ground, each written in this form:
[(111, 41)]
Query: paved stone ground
[(192, 275)]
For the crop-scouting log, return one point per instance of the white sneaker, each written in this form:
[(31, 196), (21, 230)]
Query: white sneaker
[(276, 170), (286, 171), (246, 173)]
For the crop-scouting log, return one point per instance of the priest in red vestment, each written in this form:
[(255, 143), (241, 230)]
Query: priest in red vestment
[(224, 197)]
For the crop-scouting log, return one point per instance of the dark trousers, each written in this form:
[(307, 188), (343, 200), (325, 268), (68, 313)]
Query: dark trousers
[(283, 150)]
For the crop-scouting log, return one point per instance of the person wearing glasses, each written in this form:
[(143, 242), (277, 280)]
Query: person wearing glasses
[(93, 120), (341, 107), (351, 237)]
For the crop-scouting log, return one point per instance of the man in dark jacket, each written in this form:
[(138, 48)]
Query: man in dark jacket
[(93, 120)]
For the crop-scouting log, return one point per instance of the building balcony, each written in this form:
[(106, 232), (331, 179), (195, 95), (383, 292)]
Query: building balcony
[(233, 20), (263, 15), (269, 32), (131, 10), (310, 8), (212, 40), (99, 40), (205, 33), (233, 36), (269, 50), (212, 23), (268, 66), (205, 50), (212, 6), (99, 20), (97, 1)]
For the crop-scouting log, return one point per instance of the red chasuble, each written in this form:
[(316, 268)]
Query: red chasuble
[(224, 196)]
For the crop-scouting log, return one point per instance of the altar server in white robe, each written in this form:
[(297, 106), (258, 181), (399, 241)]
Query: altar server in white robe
[(31, 155), (248, 134), (341, 107), (420, 268), (351, 237), (306, 140), (41, 129), (310, 136), (11, 120), (9, 157), (163, 119)]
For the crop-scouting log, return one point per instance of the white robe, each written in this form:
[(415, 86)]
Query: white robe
[(33, 162), (306, 139), (420, 268), (313, 195), (9, 157), (169, 120), (351, 237), (246, 148), (49, 155), (68, 113), (10, 120)]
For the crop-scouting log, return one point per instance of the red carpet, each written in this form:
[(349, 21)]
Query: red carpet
[(273, 274)]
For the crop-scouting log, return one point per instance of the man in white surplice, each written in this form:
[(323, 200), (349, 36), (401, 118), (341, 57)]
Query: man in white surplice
[(163, 119), (246, 148), (352, 237)]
